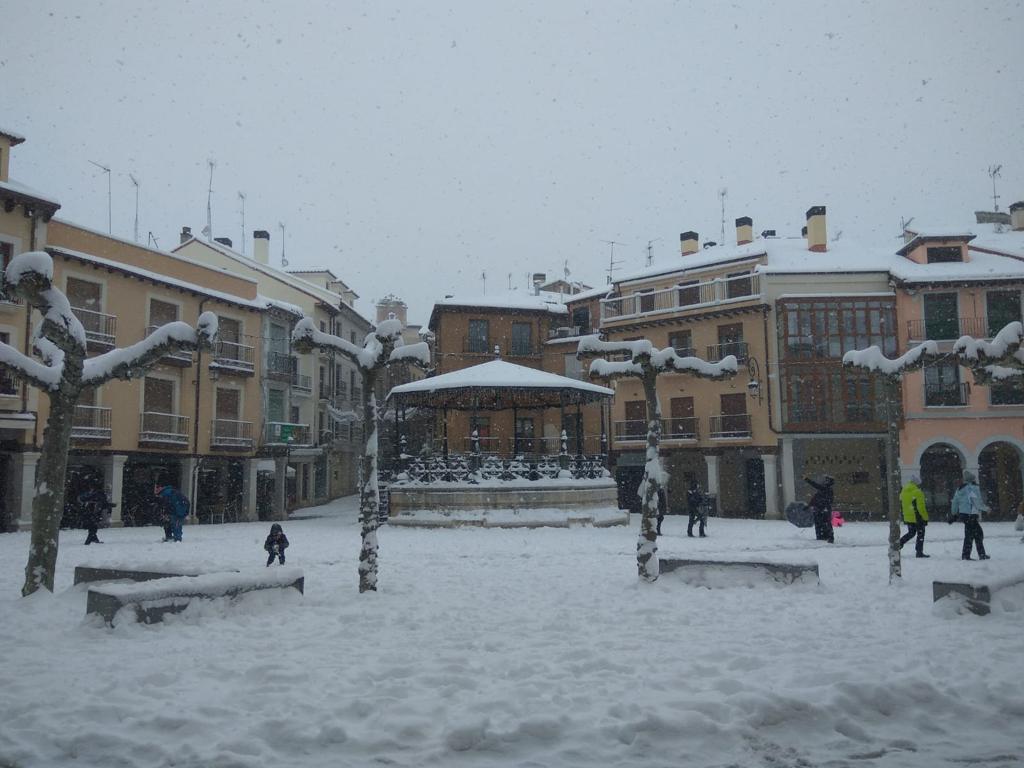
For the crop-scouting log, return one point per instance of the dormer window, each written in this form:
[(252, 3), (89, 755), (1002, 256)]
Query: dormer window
[(944, 254)]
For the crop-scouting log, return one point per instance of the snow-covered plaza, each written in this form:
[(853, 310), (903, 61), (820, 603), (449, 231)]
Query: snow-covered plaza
[(518, 647)]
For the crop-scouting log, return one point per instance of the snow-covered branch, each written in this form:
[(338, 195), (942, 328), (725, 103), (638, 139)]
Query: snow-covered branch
[(872, 359), (418, 354), (643, 355), (306, 338), (1002, 350), (26, 369), (592, 346)]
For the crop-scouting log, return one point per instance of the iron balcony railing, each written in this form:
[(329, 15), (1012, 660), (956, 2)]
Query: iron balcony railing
[(302, 383), (100, 328), (91, 422), (569, 331), (179, 356), (235, 356), (164, 428), (8, 384), (697, 294), (729, 425), (952, 394), (685, 351), (230, 433), (506, 347), (285, 433), (680, 428), (946, 328), (738, 348), (280, 364)]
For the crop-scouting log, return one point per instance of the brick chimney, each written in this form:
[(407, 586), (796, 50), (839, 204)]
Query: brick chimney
[(1017, 216), (817, 232), (261, 246), (689, 243), (186, 234), (744, 230)]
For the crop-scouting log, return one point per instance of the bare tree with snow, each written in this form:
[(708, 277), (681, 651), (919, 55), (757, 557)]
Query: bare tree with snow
[(382, 347), (646, 363), (988, 361), (62, 372)]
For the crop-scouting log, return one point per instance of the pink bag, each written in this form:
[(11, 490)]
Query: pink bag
[(837, 519)]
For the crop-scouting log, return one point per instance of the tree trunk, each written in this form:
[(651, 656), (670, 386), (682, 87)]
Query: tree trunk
[(653, 482), (893, 481), (369, 492), (48, 503)]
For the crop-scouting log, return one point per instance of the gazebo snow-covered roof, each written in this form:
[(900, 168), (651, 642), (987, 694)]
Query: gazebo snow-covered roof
[(495, 386)]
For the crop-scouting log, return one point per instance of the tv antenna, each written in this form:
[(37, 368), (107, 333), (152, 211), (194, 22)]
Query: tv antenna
[(284, 261), (135, 182), (650, 250), (612, 263), (106, 170), (152, 240), (483, 279), (993, 173), (241, 197), (208, 229), (722, 194)]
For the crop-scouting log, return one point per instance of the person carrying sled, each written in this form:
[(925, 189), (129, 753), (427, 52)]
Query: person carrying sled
[(967, 507), (914, 514), (821, 503), (176, 505), (275, 544)]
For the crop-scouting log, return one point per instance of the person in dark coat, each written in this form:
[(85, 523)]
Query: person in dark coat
[(275, 544), (695, 503), (821, 503), (94, 506), (177, 506), (662, 506)]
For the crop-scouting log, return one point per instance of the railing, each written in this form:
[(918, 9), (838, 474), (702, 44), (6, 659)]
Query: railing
[(490, 469), (229, 433), (947, 394), (506, 347), (685, 351), (280, 364), (99, 328), (357, 395), (685, 296), (90, 422), (738, 348), (302, 383), (284, 433), (522, 446), (180, 356), (8, 384), (487, 444), (166, 428), (477, 347), (729, 425), (680, 428), (569, 331), (632, 429), (946, 328), (234, 355)]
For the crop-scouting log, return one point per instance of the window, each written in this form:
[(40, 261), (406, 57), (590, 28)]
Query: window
[(6, 254), (1007, 392), (940, 316), (636, 419), (295, 414), (479, 337), (228, 403), (581, 320), (158, 395), (818, 329), (689, 293), (682, 343), (275, 405), (84, 294), (944, 254), (682, 424), (942, 385), (162, 312), (730, 342), (573, 367), (646, 299), (8, 386), (738, 284), (521, 336), (1002, 307), (733, 421)]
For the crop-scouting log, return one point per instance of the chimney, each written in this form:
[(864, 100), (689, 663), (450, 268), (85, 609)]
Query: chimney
[(261, 246), (186, 234), (1017, 216), (744, 230), (223, 241), (689, 243), (991, 217), (817, 232), (539, 278)]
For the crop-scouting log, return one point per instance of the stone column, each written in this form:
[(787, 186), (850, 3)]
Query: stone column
[(190, 486), (280, 487), (788, 473), (24, 488), (249, 486), (712, 464), (113, 478), (771, 488)]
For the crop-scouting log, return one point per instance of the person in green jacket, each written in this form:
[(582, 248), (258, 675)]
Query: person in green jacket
[(914, 514)]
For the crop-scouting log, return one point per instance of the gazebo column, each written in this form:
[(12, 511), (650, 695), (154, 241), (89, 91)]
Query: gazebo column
[(444, 433), (579, 430), (515, 431)]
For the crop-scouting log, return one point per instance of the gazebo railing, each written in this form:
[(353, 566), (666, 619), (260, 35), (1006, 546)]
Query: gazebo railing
[(473, 469), (522, 446)]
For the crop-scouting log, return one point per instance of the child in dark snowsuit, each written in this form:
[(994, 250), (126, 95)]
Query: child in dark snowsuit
[(276, 544)]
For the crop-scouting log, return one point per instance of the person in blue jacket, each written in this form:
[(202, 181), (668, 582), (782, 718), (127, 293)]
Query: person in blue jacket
[(967, 508), (177, 505)]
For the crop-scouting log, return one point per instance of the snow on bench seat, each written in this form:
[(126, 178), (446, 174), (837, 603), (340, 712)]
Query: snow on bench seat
[(86, 574), (737, 572), (155, 598), (977, 596)]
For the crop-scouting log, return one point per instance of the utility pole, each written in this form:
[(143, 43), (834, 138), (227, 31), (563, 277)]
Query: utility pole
[(612, 263), (241, 197), (208, 230), (722, 193), (993, 172), (106, 170), (136, 183)]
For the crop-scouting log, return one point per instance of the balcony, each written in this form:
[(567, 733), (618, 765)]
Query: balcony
[(569, 332), (680, 428), (234, 357), (729, 426), (281, 365), (301, 383), (180, 357), (285, 433), (505, 347), (231, 434), (91, 423), (738, 348), (164, 429), (8, 385), (946, 328), (947, 395), (695, 295), (100, 329)]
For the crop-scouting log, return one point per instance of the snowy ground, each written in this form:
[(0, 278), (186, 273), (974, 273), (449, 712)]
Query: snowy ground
[(518, 648)]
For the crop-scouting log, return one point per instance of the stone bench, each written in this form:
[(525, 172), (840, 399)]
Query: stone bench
[(978, 595), (154, 598), (87, 574), (784, 573)]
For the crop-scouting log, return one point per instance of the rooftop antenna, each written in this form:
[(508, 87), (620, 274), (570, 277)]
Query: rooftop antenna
[(483, 278), (136, 183), (208, 229), (241, 197), (993, 172), (650, 250), (510, 281), (284, 261), (106, 170), (152, 240), (722, 193), (612, 263)]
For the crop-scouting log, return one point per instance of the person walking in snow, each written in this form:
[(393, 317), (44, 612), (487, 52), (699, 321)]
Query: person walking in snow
[(967, 507), (821, 503), (914, 514), (94, 505), (275, 544), (176, 505), (695, 503)]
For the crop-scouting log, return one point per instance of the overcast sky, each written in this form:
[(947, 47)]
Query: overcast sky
[(411, 147)]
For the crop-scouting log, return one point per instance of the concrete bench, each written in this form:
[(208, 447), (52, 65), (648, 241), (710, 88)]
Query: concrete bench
[(977, 596), (783, 573), (151, 600), (87, 574)]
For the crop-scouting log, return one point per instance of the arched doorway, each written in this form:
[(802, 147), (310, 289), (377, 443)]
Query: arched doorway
[(1000, 479), (941, 471)]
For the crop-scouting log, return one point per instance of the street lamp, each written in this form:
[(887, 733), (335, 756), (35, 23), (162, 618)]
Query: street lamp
[(754, 385)]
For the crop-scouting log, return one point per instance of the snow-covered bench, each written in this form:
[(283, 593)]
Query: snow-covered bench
[(152, 599), (713, 572), (86, 574), (977, 596)]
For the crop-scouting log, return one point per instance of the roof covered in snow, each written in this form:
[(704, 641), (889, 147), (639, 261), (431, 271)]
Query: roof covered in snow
[(990, 237), (23, 190), (516, 301), (15, 138)]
